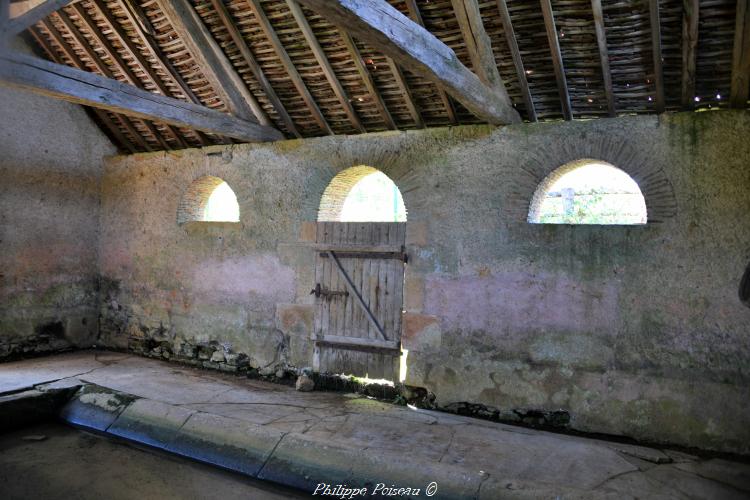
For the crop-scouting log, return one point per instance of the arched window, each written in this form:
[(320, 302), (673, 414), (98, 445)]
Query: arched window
[(588, 192), (362, 194), (208, 199)]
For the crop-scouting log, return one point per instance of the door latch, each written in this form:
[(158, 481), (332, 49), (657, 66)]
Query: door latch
[(319, 291)]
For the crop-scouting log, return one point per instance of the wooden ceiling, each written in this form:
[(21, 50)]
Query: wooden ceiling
[(564, 59)]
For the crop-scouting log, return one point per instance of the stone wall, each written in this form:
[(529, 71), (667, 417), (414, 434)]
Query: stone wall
[(50, 166), (636, 331)]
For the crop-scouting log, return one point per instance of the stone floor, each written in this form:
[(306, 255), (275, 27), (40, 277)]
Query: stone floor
[(272, 432)]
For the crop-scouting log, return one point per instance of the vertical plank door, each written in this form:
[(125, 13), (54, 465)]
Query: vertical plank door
[(359, 279)]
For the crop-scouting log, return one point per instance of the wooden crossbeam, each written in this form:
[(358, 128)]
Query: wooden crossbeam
[(212, 61), (515, 53), (411, 46), (82, 87), (73, 57), (477, 41), (120, 139), (325, 65), (416, 16), (104, 70), (29, 18), (367, 78), (557, 61), (741, 56), (255, 68), (656, 55), (286, 61), (117, 62), (142, 27), (601, 41)]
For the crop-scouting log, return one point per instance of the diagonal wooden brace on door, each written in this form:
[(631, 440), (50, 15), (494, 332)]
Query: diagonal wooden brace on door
[(350, 286)]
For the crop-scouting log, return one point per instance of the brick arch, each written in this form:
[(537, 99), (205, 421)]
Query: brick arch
[(193, 203), (541, 191), (640, 164), (335, 194)]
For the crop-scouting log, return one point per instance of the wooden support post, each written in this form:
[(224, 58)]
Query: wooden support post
[(557, 62), (515, 53), (601, 41), (325, 65), (656, 55)]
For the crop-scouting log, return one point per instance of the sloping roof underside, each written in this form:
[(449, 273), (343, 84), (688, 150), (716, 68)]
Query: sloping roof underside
[(102, 24)]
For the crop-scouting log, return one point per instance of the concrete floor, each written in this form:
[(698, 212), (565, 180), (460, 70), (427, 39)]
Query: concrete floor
[(273, 432), (69, 463)]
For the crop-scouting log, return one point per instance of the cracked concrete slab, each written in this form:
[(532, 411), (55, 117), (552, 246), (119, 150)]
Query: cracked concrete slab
[(301, 439)]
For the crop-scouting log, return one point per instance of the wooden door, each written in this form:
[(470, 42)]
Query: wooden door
[(359, 279)]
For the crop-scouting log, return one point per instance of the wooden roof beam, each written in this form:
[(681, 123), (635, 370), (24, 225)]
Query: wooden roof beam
[(82, 87), (557, 61), (656, 55), (510, 36), (367, 78), (255, 68), (379, 24), (741, 56), (479, 44), (117, 62), (286, 61), (403, 87), (601, 41), (416, 16), (691, 10), (214, 64), (325, 65), (32, 16), (121, 141), (70, 54)]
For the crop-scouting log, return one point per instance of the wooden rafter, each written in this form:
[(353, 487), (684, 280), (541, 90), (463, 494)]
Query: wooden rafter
[(601, 41), (741, 56), (104, 70), (255, 68), (322, 59), (403, 87), (115, 132), (416, 16), (82, 87), (515, 53), (73, 57), (557, 61), (477, 41), (34, 15), (113, 56), (368, 80), (691, 9), (379, 24), (212, 61), (656, 55), (286, 61)]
